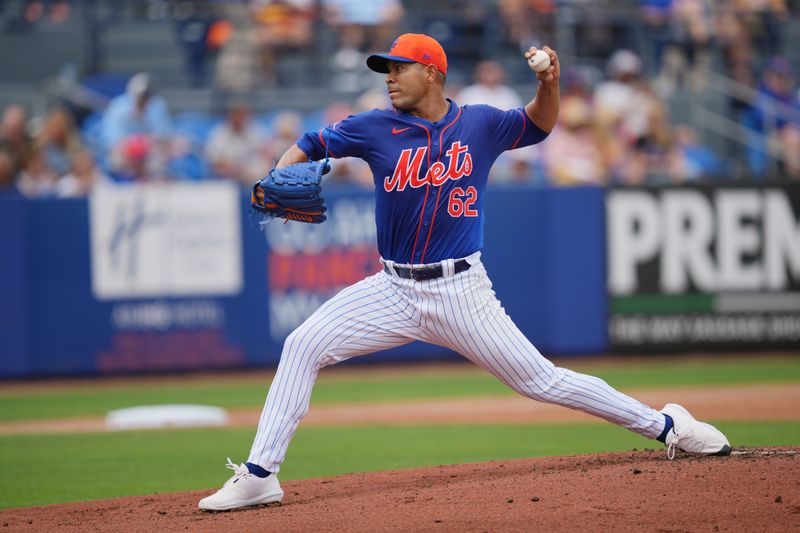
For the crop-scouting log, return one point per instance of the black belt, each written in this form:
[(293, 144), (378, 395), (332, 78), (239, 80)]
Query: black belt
[(426, 272)]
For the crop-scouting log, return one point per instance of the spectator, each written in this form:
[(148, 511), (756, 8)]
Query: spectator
[(572, 154), (134, 160), (376, 98), (776, 89), (58, 140), (37, 179), (631, 127), (661, 148), (192, 30), (749, 32), (764, 20), (14, 137), (735, 44), (137, 125), (789, 144), (654, 157), (286, 128), (490, 88), (679, 34), (529, 22), (773, 116), (235, 149), (281, 26), (577, 81), (346, 65), (237, 63), (694, 31), (370, 24), (361, 27), (656, 18), (695, 161), (187, 163), (8, 177), (625, 102), (83, 177), (137, 111)]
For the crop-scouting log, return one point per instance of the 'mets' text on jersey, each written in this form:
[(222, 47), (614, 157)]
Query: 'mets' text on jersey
[(430, 177)]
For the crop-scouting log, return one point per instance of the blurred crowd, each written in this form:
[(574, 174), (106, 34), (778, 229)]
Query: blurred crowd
[(136, 139), (615, 125)]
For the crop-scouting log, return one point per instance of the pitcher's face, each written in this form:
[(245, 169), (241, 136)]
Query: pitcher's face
[(407, 84)]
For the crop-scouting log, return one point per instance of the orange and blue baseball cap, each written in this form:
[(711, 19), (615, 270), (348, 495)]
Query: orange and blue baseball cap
[(411, 48)]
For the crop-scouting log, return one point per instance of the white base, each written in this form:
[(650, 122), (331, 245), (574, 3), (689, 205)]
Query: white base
[(165, 416)]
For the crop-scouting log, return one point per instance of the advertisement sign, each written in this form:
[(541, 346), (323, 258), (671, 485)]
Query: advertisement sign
[(162, 257), (698, 267), (166, 240), (308, 263)]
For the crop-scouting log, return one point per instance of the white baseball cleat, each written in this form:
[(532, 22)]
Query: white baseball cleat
[(692, 436), (243, 490)]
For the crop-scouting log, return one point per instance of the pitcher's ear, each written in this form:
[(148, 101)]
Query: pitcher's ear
[(431, 73)]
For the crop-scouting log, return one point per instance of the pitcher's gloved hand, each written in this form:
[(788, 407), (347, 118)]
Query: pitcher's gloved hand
[(292, 192)]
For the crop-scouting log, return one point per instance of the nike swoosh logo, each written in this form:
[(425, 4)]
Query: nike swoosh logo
[(395, 131)]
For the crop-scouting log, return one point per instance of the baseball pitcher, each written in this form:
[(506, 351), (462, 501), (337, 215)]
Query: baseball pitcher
[(430, 159)]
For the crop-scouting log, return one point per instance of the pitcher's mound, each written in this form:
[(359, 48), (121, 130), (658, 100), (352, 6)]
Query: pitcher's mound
[(755, 489)]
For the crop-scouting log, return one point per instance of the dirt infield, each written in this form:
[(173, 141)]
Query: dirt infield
[(753, 490)]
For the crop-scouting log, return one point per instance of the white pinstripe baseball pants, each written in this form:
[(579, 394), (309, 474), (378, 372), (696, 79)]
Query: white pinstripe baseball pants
[(459, 312)]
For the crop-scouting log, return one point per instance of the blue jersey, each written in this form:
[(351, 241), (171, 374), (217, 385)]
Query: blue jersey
[(430, 177)]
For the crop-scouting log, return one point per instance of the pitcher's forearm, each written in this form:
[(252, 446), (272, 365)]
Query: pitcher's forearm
[(293, 155), (543, 110)]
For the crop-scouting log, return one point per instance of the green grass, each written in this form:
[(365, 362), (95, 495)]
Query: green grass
[(44, 469), (83, 400)]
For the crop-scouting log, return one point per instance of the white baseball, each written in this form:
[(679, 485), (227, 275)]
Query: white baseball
[(539, 61)]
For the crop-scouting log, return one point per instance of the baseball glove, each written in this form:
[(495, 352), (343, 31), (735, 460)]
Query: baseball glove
[(292, 192)]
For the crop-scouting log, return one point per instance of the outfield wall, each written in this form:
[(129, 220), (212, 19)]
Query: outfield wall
[(171, 277)]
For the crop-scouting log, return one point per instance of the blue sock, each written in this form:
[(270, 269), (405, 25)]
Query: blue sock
[(663, 437), (257, 470)]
